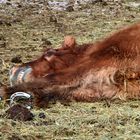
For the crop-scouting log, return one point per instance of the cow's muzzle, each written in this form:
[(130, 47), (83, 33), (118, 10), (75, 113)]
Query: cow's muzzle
[(20, 74)]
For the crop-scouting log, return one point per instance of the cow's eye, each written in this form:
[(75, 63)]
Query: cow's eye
[(50, 52)]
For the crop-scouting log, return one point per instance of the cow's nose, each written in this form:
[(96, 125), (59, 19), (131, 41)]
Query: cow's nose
[(19, 74), (12, 74)]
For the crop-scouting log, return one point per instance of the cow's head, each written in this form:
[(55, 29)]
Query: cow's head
[(51, 61)]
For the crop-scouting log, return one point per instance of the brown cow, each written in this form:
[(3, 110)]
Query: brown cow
[(107, 69)]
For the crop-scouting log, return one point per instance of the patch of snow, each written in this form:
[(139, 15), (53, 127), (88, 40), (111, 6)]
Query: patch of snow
[(134, 4), (3, 1)]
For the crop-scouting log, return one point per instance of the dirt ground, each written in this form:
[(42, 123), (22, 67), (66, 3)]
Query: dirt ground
[(25, 29)]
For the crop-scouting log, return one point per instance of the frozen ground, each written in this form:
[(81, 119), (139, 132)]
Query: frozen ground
[(23, 30)]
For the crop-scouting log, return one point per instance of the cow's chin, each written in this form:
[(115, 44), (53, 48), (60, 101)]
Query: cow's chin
[(19, 75)]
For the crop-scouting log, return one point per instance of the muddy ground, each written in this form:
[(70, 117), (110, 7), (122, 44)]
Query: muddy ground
[(25, 29)]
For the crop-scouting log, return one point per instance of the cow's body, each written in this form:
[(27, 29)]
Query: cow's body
[(107, 69)]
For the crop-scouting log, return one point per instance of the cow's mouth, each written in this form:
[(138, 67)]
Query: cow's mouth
[(20, 74)]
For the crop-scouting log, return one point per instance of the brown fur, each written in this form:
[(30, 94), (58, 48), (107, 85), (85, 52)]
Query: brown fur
[(108, 69), (53, 60)]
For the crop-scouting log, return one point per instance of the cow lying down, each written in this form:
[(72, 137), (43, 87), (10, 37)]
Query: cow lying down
[(107, 69)]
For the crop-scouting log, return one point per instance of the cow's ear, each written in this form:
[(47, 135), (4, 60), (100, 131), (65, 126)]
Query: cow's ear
[(69, 42)]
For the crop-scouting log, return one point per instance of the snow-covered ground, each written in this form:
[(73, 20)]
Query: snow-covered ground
[(53, 4), (60, 4)]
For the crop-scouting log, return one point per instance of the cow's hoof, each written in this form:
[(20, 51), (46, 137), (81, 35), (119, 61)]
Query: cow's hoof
[(23, 98)]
